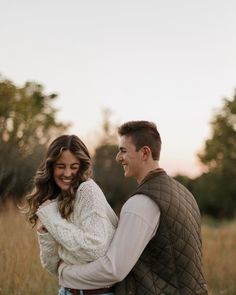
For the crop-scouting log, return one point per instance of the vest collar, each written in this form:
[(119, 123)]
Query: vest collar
[(151, 174)]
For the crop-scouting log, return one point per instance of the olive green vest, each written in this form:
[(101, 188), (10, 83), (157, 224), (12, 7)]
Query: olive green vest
[(172, 261)]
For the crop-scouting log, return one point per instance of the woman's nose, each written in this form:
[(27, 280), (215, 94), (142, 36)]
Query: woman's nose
[(67, 171)]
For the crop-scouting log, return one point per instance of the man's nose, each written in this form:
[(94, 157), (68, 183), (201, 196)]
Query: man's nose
[(118, 157)]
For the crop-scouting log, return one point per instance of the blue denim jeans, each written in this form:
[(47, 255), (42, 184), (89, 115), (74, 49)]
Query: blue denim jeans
[(63, 291)]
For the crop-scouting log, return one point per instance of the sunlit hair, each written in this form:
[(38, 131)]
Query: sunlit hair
[(45, 187), (143, 133)]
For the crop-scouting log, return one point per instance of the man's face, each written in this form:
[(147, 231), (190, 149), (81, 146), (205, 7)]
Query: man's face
[(129, 157)]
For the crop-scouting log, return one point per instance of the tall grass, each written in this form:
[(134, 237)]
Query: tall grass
[(219, 253), (21, 272)]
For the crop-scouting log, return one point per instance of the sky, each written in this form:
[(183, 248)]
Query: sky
[(170, 62)]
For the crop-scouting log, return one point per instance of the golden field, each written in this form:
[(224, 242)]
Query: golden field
[(21, 272), (219, 253)]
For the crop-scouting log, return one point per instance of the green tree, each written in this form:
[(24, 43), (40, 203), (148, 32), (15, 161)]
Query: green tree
[(107, 172), (110, 176), (219, 159), (27, 123), (27, 115)]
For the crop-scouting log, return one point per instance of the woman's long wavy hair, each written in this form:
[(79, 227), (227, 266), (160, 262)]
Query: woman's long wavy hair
[(45, 187)]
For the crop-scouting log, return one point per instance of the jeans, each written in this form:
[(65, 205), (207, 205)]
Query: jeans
[(63, 291)]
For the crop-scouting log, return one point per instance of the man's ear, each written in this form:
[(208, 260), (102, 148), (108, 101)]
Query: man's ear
[(146, 152)]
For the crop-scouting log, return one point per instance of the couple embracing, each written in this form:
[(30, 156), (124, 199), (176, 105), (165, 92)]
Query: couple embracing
[(153, 248)]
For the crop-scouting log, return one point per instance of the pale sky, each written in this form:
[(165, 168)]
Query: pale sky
[(171, 62)]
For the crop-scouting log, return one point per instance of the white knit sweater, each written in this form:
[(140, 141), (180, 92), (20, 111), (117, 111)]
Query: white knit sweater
[(83, 238)]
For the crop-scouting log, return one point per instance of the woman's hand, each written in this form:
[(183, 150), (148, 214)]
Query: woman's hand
[(40, 227)]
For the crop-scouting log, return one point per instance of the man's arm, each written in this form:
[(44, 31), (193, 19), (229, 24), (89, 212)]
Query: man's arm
[(138, 223)]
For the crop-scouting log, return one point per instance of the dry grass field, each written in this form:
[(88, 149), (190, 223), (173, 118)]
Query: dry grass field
[(219, 250), (21, 272)]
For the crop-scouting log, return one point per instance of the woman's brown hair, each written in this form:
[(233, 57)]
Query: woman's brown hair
[(45, 187)]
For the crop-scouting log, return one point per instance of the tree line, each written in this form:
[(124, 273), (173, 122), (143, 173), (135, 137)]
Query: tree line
[(28, 123)]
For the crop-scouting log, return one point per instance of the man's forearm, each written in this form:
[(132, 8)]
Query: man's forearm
[(82, 276), (132, 235)]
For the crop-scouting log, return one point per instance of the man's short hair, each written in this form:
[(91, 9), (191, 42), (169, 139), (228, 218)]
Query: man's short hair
[(143, 133)]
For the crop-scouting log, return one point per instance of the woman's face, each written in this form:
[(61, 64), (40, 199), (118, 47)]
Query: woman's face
[(66, 170)]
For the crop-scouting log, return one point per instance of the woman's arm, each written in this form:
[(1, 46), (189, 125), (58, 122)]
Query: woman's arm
[(92, 232), (48, 252), (139, 221)]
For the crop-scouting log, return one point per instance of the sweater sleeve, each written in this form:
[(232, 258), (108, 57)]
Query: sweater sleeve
[(139, 221), (48, 252), (91, 236)]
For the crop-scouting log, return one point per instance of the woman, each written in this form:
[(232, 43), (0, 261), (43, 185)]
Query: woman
[(75, 223)]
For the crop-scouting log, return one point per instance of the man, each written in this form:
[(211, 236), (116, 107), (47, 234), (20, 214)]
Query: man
[(157, 246)]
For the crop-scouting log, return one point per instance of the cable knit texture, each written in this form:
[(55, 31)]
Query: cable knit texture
[(84, 237)]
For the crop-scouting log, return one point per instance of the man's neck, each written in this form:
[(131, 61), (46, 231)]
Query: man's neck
[(148, 169)]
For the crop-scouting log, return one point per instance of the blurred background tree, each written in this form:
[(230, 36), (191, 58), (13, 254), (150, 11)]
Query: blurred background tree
[(215, 189), (109, 175), (27, 122), (219, 159), (107, 172)]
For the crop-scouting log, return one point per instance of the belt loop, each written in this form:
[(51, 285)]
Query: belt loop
[(81, 292)]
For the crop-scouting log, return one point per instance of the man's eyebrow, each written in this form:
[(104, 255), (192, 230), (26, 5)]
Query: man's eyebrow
[(121, 148)]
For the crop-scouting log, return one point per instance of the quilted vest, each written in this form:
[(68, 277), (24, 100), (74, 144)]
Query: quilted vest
[(172, 261)]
